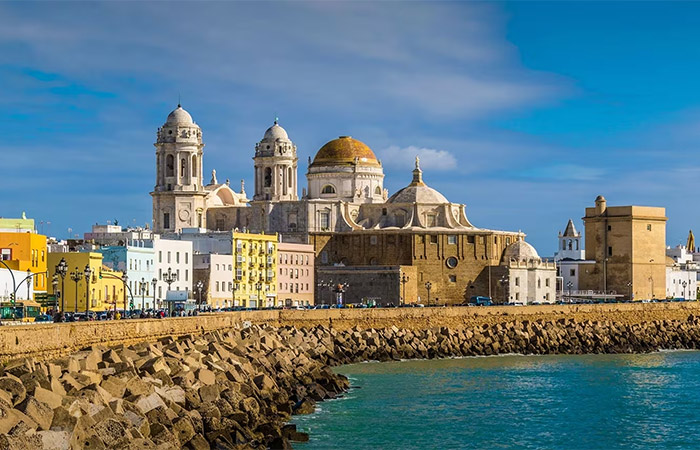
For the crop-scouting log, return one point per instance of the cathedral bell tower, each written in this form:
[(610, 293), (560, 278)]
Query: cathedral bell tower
[(178, 196), (275, 166)]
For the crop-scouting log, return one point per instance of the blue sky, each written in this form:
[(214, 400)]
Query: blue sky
[(523, 111)]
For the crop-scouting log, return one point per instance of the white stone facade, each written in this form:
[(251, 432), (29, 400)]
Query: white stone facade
[(570, 244), (529, 278), (177, 256), (681, 273)]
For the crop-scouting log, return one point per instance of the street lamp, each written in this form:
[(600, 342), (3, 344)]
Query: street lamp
[(199, 286), (88, 274), (404, 280), (340, 289), (76, 276), (258, 286), (428, 285), (569, 285), (169, 277), (154, 282), (62, 270), (685, 283), (143, 285), (54, 284), (629, 290), (651, 280), (125, 279)]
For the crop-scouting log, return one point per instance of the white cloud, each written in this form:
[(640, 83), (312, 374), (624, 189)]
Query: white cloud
[(430, 158)]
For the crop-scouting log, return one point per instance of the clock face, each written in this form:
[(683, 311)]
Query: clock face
[(184, 215)]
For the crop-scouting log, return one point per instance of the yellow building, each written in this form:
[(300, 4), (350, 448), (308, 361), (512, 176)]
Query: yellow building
[(104, 289), (24, 250), (255, 270), (628, 245)]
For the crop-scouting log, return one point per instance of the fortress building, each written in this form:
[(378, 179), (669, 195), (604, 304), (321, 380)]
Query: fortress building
[(387, 248)]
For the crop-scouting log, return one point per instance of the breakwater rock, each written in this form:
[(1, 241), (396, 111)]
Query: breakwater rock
[(237, 389)]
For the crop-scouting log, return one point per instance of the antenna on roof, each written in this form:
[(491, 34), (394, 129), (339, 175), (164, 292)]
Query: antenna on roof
[(277, 119), (178, 100)]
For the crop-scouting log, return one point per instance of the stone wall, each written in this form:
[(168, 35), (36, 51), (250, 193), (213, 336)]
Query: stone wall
[(49, 340)]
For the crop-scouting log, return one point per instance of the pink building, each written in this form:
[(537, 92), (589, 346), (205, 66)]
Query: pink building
[(296, 274)]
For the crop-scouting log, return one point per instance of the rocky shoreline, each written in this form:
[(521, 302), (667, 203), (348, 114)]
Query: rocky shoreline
[(238, 389)]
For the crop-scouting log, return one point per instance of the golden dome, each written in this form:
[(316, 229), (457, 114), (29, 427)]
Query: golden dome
[(344, 150)]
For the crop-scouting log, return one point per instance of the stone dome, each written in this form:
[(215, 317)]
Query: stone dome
[(344, 150), (179, 117), (276, 132), (418, 194), (520, 251)]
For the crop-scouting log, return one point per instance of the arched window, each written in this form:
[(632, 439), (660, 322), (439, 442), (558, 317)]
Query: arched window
[(570, 244), (563, 245), (268, 177), (194, 166), (576, 243), (289, 176), (183, 167), (169, 166), (328, 189), (378, 190)]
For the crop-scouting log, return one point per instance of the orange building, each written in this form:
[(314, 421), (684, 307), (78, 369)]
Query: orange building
[(25, 250)]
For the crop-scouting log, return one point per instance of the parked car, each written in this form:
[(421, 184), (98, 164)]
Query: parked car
[(43, 318)]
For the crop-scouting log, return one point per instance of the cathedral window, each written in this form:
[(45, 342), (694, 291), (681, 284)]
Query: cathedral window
[(378, 190), (183, 167), (452, 239), (453, 278), (325, 220), (570, 244), (328, 189), (268, 177), (194, 166), (166, 220), (169, 166), (289, 176)]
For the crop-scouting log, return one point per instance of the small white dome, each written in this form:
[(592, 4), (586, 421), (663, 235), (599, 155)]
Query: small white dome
[(275, 132), (418, 194), (179, 116), (520, 251)]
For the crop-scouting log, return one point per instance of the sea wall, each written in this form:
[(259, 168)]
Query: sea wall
[(236, 389), (46, 341)]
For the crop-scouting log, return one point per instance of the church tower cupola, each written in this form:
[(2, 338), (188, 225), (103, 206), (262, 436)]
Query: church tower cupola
[(275, 166), (178, 193)]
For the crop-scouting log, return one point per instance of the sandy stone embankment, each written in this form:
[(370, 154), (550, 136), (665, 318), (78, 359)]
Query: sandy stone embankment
[(47, 341), (236, 389)]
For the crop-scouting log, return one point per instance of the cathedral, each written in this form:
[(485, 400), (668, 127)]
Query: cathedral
[(415, 234)]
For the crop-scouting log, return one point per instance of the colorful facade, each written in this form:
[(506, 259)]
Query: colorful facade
[(106, 285), (24, 251), (254, 270), (295, 274)]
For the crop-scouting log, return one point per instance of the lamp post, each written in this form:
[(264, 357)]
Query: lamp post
[(651, 278), (504, 284), (143, 285), (428, 285), (629, 290), (54, 284), (258, 286), (154, 282), (88, 275), (125, 279), (62, 270), (685, 283), (340, 289), (404, 280), (76, 276), (169, 277), (569, 285), (29, 286), (199, 286)]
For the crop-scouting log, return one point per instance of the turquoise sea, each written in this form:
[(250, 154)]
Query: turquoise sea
[(649, 401)]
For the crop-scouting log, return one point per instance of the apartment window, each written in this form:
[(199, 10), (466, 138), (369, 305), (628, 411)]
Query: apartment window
[(177, 257), (217, 286), (229, 267), (649, 227), (546, 282), (186, 275), (187, 258), (160, 256), (539, 283), (217, 267), (453, 278), (451, 239), (168, 257), (572, 272), (239, 274), (517, 281), (230, 286), (609, 251), (6, 254)]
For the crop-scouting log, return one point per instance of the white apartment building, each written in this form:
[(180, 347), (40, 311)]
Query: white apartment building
[(681, 273)]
